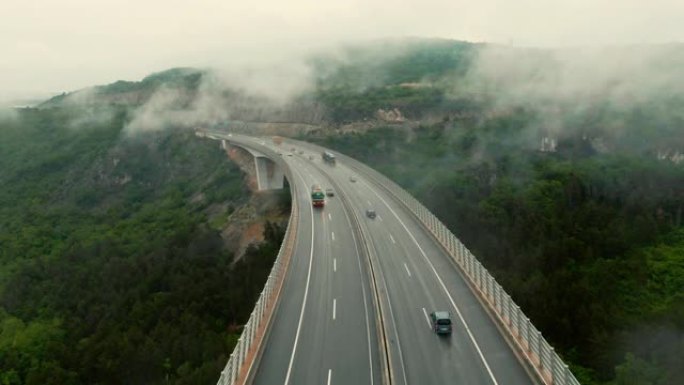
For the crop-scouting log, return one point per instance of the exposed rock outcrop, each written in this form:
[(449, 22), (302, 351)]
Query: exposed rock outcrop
[(390, 116)]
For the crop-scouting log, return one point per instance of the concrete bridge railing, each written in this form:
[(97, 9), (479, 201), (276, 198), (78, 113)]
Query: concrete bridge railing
[(239, 367)]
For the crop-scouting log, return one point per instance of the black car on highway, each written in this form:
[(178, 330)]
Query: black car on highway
[(441, 322)]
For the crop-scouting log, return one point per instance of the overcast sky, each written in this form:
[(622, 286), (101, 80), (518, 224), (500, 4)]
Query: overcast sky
[(52, 46)]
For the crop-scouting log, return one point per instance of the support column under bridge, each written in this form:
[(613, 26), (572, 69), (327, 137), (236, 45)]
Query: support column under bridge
[(267, 173)]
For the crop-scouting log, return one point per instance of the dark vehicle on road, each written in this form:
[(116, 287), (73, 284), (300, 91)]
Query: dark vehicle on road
[(371, 214), (441, 322), (330, 192), (328, 157)]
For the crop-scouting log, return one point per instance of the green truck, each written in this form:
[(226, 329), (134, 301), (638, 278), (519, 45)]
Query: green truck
[(317, 196)]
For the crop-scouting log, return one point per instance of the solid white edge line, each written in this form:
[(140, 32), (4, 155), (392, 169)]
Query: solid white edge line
[(439, 279), (427, 319), (407, 270), (334, 308), (306, 294)]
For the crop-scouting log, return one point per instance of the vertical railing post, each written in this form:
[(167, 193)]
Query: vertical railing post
[(539, 345), (473, 265), (518, 317), (233, 372), (479, 276), (500, 298), (259, 306), (247, 332), (483, 281), (241, 351), (497, 297), (252, 330), (528, 326)]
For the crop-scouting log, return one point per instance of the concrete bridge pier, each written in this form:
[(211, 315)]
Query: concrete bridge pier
[(267, 173)]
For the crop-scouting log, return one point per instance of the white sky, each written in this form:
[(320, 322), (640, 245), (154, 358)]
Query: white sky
[(51, 46)]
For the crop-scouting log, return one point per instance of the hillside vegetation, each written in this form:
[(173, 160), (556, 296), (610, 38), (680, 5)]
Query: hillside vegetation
[(111, 272)]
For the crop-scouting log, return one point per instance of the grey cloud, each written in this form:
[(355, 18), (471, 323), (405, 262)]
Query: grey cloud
[(592, 91), (625, 75), (159, 112), (66, 45)]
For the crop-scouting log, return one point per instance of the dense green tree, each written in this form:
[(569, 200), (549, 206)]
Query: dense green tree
[(111, 272)]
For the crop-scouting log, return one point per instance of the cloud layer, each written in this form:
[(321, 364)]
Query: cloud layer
[(59, 46)]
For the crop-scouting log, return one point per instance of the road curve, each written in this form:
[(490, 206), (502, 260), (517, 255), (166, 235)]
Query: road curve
[(325, 328)]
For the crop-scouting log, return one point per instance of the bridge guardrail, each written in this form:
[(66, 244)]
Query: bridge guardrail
[(239, 365), (539, 354)]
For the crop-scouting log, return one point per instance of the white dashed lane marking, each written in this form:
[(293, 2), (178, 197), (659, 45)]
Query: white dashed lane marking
[(334, 308), (407, 270), (427, 319)]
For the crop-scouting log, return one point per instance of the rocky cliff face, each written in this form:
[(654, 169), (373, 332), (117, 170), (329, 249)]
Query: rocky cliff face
[(245, 224), (390, 116), (240, 108)]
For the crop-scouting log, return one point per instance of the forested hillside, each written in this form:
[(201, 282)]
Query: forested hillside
[(111, 269)]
